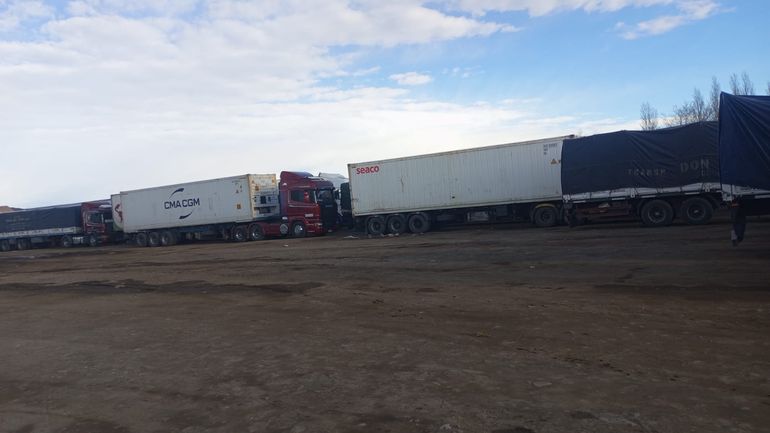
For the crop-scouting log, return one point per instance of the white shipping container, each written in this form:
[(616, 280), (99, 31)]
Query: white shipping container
[(486, 176), (234, 199)]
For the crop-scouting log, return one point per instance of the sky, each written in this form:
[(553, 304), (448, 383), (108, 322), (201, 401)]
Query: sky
[(102, 96)]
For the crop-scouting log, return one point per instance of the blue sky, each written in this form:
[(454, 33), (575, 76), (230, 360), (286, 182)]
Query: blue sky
[(110, 95)]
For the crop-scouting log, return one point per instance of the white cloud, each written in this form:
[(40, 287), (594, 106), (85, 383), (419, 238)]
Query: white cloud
[(689, 11), (411, 79), (14, 13), (545, 7), (116, 94)]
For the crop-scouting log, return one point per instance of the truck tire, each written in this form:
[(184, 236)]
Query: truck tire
[(66, 241), (396, 224), (92, 241), (657, 213), (696, 210), (5, 246), (240, 234), (167, 238), (375, 225), (23, 244), (256, 233), (418, 222), (298, 230), (545, 216), (153, 239), (141, 239)]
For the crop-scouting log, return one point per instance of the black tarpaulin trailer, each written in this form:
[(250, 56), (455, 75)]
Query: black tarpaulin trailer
[(744, 155), (42, 221), (654, 175)]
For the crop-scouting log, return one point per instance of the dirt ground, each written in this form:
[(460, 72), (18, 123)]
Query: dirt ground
[(504, 329)]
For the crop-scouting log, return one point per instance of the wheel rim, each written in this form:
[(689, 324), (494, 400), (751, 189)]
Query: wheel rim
[(696, 212), (545, 216), (299, 230), (396, 226), (255, 233), (657, 214)]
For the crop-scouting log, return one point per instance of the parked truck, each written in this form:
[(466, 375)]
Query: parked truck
[(337, 180), (744, 158), (515, 181), (87, 223), (655, 176), (238, 208)]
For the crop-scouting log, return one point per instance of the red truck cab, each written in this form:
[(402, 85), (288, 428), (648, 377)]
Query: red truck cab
[(97, 222), (307, 206)]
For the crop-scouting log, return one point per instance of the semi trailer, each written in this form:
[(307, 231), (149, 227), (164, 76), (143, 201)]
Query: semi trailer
[(238, 208), (87, 223), (507, 182), (744, 158), (655, 176)]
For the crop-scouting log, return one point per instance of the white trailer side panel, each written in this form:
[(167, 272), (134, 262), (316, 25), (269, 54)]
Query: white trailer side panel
[(508, 173), (226, 200)]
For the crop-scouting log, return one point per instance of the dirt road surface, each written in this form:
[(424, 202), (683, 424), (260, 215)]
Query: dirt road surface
[(507, 329)]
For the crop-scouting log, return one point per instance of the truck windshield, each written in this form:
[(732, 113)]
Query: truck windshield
[(325, 196), (95, 218), (303, 196)]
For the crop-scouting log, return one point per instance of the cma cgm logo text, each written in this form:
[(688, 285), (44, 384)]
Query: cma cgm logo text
[(181, 203)]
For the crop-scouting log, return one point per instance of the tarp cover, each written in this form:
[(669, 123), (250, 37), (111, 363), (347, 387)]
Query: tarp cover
[(41, 218), (662, 158), (744, 140)]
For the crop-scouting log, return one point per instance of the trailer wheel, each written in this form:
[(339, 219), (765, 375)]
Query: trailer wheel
[(545, 216), (23, 244), (419, 223), (696, 210), (256, 233), (66, 241), (657, 213), (5, 246), (375, 225), (396, 224), (239, 234), (167, 238), (153, 239), (141, 239), (298, 230)]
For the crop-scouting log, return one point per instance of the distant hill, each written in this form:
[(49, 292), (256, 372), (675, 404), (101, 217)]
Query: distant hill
[(8, 209)]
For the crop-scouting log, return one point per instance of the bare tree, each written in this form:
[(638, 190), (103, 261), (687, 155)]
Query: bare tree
[(695, 110), (649, 116), (698, 107), (748, 86), (716, 89), (680, 116), (735, 86), (744, 86)]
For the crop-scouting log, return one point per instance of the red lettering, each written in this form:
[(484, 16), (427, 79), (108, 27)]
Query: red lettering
[(368, 170)]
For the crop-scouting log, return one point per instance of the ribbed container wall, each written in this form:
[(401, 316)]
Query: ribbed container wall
[(226, 200), (494, 175)]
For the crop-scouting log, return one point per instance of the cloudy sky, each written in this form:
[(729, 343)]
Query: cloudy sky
[(99, 96)]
